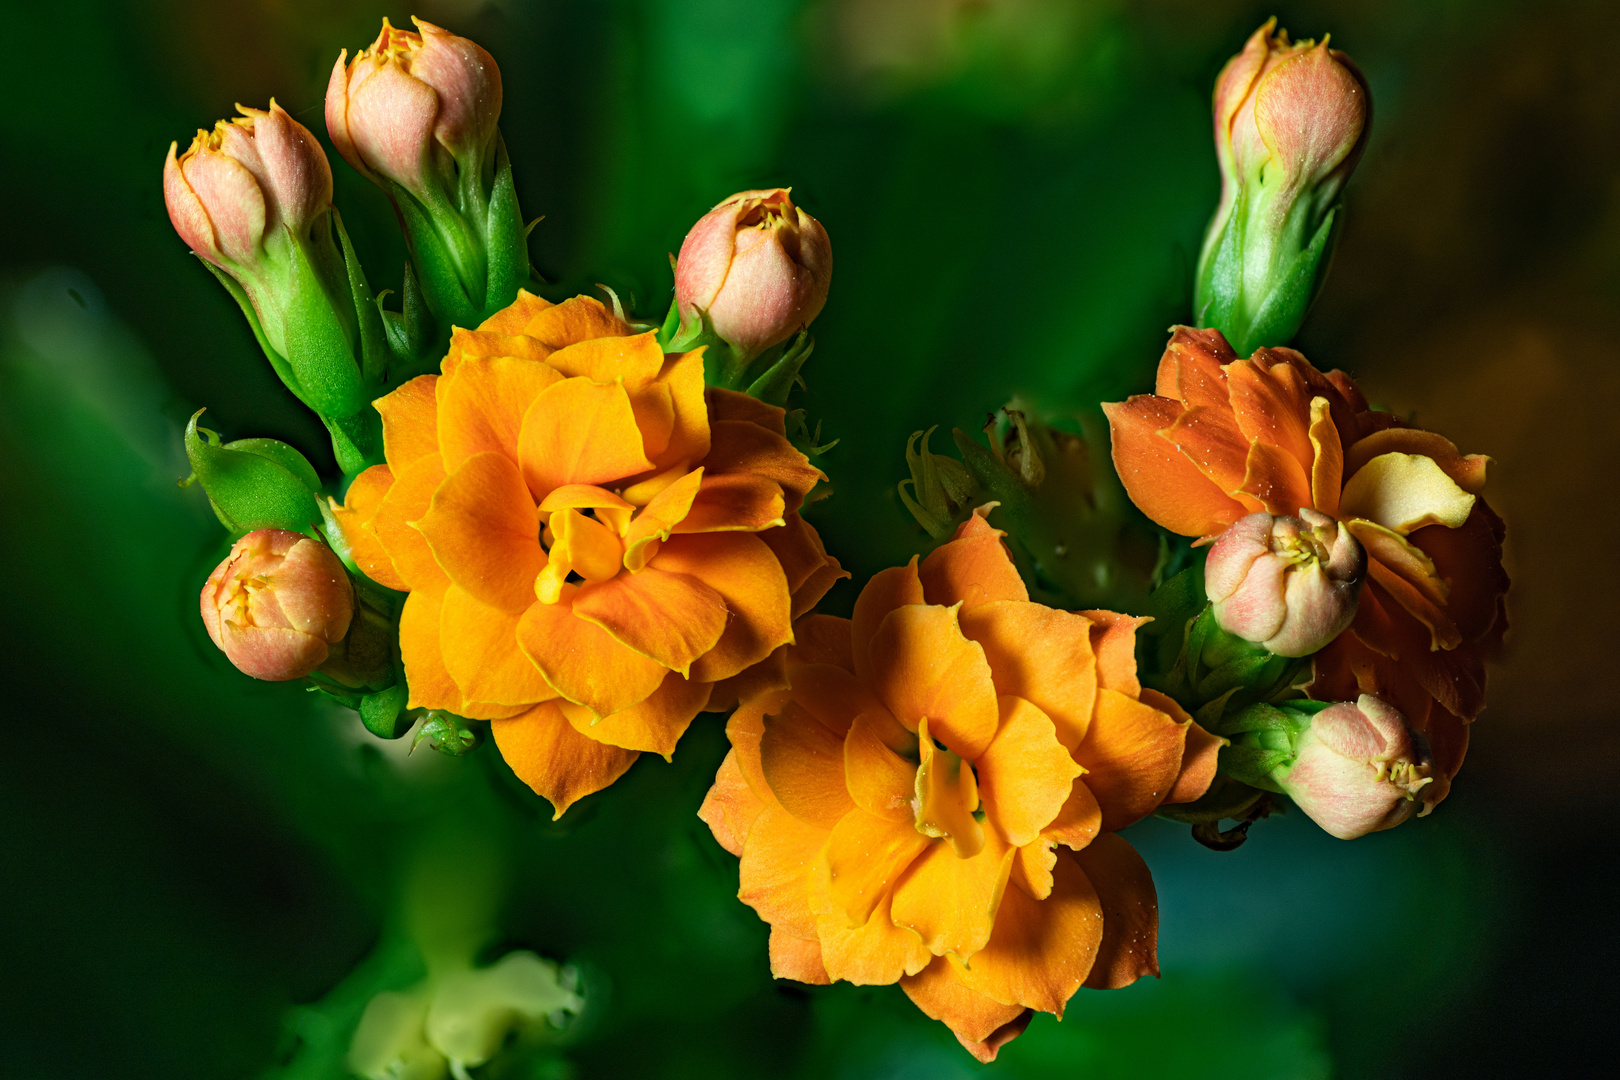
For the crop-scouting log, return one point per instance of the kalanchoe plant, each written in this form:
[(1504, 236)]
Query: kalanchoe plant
[(1290, 124)]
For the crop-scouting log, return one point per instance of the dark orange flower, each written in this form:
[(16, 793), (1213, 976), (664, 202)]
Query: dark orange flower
[(590, 540), (931, 796), (1224, 437)]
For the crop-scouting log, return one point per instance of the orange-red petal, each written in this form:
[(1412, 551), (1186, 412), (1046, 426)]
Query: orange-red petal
[(796, 958), (942, 995), (1130, 913), (730, 807), (1160, 480)]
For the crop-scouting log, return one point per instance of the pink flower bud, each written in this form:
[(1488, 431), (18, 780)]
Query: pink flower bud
[(1359, 768), (1289, 584), (758, 266), (409, 105), (276, 603), (235, 189)]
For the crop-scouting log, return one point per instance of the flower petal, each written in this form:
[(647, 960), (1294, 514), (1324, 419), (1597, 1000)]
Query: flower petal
[(1276, 480), (407, 501), (654, 724), (671, 617), (886, 590), (579, 432), (1032, 869), (973, 568), (774, 874), (1132, 756), (513, 318), (480, 652), (1198, 758), (1466, 470), (657, 520), (633, 360), (924, 668), (1272, 404), (1026, 775), (583, 662), (1043, 655), (579, 318), (796, 958), (1041, 950), (1210, 439), (941, 994), (1113, 642), (878, 775), (1130, 913), (355, 517), (689, 437), (1192, 368), (951, 902), (466, 344), (822, 639), (1405, 492), (739, 447), (804, 764), (735, 405), (1163, 483), (1080, 820), (560, 764), (484, 531), (482, 404), (875, 953), (730, 807), (831, 694), (430, 683), (410, 421), (863, 858), (1327, 461), (743, 572)]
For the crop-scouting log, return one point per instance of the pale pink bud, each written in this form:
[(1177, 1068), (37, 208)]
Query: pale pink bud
[(757, 266), (1290, 584), (399, 109), (240, 184), (276, 603), (1359, 768)]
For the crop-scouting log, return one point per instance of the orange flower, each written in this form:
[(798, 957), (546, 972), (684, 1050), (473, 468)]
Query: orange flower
[(931, 798), (1225, 437), (590, 541)]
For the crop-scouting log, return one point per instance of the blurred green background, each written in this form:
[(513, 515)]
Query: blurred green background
[(1016, 191)]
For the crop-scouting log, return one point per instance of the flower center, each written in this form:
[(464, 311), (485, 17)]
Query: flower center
[(947, 797), (578, 544)]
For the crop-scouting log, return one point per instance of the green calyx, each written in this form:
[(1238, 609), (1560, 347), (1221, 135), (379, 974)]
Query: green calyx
[(253, 483)]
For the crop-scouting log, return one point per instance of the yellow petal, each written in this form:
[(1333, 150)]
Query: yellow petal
[(863, 858), (481, 405), (951, 902), (579, 432), (1026, 775), (634, 360), (803, 763), (480, 650), (484, 530), (560, 764), (1404, 492)]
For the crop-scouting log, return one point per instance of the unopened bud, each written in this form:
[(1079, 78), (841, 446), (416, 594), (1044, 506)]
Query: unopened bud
[(757, 268), (1289, 584), (277, 604), (1358, 768)]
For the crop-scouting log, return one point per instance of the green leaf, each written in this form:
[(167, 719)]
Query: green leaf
[(283, 455), (384, 714), (506, 240), (248, 489), (774, 386)]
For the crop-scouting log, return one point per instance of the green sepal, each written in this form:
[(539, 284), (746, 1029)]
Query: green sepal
[(1253, 765), (506, 238), (373, 337), (278, 363), (1001, 483), (282, 454), (778, 381), (672, 321), (248, 489), (436, 269), (320, 346), (345, 696), (449, 734), (1283, 310), (383, 713), (1226, 798), (356, 440)]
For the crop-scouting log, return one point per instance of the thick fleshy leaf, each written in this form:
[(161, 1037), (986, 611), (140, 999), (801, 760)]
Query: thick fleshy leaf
[(973, 568), (950, 902), (803, 763), (484, 530), (796, 958), (1026, 775), (1405, 492), (579, 432), (583, 662), (482, 405), (1041, 950), (941, 994), (1272, 404), (480, 651), (1160, 480), (671, 617), (653, 725), (634, 360), (407, 502), (579, 318), (880, 766), (875, 953), (887, 590), (1130, 913), (560, 764), (1327, 461), (1113, 643), (1132, 756), (410, 421), (1040, 654), (1080, 820), (730, 807), (744, 573), (1276, 480), (863, 858), (774, 874), (355, 517), (922, 666)]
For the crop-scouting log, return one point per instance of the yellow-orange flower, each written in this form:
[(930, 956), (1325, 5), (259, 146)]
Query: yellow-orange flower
[(590, 540), (1224, 437), (931, 799)]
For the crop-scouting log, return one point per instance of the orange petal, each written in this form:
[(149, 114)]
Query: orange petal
[(1192, 368), (864, 856), (467, 344), (744, 573), (355, 518), (951, 902), (1130, 913), (1198, 758), (1400, 556), (480, 652), (431, 686), (582, 497), (831, 694), (1132, 756), (633, 360), (941, 994), (973, 568), (408, 501), (744, 730), (877, 770), (735, 502), (1041, 950), (875, 953), (734, 405), (1032, 869), (796, 958), (798, 548), (689, 437), (560, 764), (822, 639), (481, 405), (986, 1049), (1043, 655), (1276, 480), (410, 421), (654, 724), (1113, 643), (578, 432), (1026, 775), (1327, 461), (512, 318), (1272, 405), (657, 520), (730, 807), (1080, 820), (576, 319), (885, 591), (1210, 439), (804, 764), (737, 446), (655, 416), (775, 869), (1442, 631), (924, 667), (484, 530), (583, 662), (671, 617), (1161, 481)]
